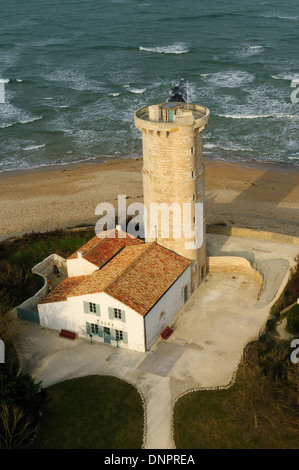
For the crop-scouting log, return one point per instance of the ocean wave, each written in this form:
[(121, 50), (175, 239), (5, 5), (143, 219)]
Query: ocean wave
[(245, 116), (259, 116), (33, 147), (26, 121), (229, 79), (231, 149), (114, 94), (286, 76), (281, 17), (177, 48), (137, 91), (249, 51)]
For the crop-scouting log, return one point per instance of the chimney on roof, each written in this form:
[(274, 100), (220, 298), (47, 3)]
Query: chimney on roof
[(79, 254)]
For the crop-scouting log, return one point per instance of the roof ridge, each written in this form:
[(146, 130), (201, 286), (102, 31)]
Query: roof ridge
[(147, 247)]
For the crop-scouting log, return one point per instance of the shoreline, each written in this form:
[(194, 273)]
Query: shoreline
[(255, 164), (257, 195)]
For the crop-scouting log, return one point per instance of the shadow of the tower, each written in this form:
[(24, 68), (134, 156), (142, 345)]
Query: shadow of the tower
[(260, 206)]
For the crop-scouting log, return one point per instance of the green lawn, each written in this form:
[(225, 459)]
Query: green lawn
[(93, 412)]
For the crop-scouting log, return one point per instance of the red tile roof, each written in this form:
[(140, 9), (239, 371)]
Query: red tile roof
[(137, 276), (100, 249)]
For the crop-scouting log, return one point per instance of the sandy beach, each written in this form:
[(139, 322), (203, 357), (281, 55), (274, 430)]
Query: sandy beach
[(259, 196)]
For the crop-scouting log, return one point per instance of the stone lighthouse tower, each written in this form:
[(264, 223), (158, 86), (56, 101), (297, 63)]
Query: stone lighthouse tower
[(173, 176)]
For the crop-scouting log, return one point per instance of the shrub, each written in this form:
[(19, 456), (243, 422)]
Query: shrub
[(293, 320)]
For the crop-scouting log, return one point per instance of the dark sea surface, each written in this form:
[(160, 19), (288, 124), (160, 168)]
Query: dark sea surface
[(74, 72)]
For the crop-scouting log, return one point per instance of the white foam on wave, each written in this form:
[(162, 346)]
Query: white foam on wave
[(177, 48), (33, 147), (74, 79), (137, 91), (19, 80), (281, 17), (231, 149), (26, 121), (11, 115), (114, 94), (249, 51), (286, 76), (259, 116), (229, 79), (245, 116)]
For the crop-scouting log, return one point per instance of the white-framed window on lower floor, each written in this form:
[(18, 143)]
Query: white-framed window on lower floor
[(119, 335), (94, 329)]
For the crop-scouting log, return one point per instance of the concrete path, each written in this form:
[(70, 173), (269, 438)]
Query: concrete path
[(210, 333)]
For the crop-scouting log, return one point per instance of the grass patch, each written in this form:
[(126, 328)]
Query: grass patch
[(17, 257), (259, 411), (93, 412), (245, 416)]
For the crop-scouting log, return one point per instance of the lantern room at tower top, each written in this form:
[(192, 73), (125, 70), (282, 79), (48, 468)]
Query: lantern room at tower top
[(170, 113)]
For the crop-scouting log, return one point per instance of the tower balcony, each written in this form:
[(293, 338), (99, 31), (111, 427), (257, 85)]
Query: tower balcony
[(171, 115)]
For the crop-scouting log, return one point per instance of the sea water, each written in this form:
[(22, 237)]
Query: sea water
[(74, 71)]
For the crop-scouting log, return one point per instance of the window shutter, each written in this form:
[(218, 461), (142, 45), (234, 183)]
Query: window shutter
[(86, 307), (111, 313), (112, 333), (123, 316), (100, 333), (87, 328), (98, 310), (125, 337)]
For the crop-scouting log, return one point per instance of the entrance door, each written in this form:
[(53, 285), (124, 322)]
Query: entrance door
[(107, 338)]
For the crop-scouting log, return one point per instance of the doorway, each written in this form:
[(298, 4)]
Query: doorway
[(107, 338)]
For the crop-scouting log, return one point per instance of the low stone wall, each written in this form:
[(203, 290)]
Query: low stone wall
[(31, 303), (45, 267), (236, 264), (250, 233)]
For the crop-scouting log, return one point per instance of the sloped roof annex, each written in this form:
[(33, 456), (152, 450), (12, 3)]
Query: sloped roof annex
[(102, 247)]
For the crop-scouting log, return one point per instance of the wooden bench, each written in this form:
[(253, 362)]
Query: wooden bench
[(166, 332), (68, 334)]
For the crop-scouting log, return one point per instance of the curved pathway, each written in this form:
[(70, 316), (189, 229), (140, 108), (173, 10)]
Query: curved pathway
[(204, 350)]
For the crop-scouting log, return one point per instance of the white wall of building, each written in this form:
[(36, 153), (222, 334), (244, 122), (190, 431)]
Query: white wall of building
[(80, 266), (169, 305), (70, 315)]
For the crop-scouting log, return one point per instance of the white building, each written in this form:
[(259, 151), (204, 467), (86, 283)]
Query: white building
[(120, 290)]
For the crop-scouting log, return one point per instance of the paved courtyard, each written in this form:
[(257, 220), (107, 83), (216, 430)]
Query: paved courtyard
[(203, 351)]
